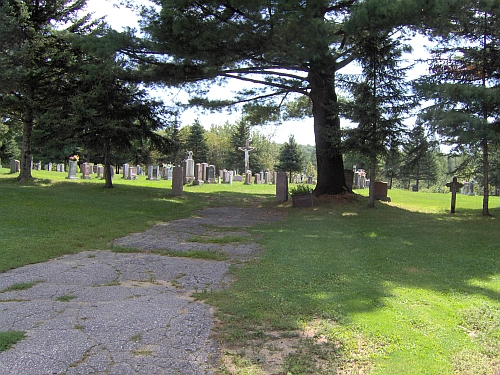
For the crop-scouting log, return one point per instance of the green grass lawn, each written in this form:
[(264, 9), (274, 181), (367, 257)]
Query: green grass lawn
[(404, 288)]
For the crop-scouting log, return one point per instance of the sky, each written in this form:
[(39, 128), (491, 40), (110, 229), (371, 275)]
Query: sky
[(120, 17)]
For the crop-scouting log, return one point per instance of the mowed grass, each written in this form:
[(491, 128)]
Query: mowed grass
[(404, 288), (399, 289), (53, 216)]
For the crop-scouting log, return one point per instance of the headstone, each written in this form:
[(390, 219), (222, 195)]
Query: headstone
[(281, 187), (125, 170), (230, 177), (204, 167), (211, 174), (275, 177), (414, 188), (471, 186), (189, 168), (72, 166), (112, 171), (349, 178), (257, 178), (465, 189), (454, 186), (248, 178), (225, 178), (153, 172), (100, 171), (381, 191), (238, 178), (132, 173), (37, 166), (198, 174), (267, 177), (246, 149), (85, 168), (177, 181)]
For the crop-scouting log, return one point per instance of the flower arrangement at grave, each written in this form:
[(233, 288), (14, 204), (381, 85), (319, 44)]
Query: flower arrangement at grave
[(74, 158), (300, 189)]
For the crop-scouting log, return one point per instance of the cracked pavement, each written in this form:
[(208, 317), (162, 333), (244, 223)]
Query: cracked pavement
[(99, 312)]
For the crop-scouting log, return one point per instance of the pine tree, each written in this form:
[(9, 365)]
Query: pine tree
[(466, 81), (379, 101), (290, 158), (36, 63), (196, 143), (419, 161)]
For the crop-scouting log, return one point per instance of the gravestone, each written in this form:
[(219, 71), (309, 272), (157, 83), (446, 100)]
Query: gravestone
[(381, 191), (349, 179), (225, 178), (189, 168), (248, 178), (100, 171), (267, 177), (275, 177), (198, 174), (257, 178), (37, 166), (281, 187), (204, 167), (231, 177), (454, 186), (211, 174), (112, 171), (177, 181), (132, 173), (471, 186), (237, 178), (153, 172), (72, 166), (85, 168), (125, 170)]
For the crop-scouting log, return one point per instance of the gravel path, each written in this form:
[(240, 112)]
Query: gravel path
[(100, 312)]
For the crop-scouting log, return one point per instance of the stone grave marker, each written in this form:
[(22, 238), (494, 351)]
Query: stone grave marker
[(246, 149), (125, 170), (281, 187), (189, 168), (211, 174), (132, 173), (15, 166), (153, 172), (85, 168), (177, 181)]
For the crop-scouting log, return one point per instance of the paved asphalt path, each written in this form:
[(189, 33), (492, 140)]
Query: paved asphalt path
[(100, 312)]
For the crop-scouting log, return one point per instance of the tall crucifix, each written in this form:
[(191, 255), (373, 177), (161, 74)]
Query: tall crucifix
[(247, 149), (454, 186)]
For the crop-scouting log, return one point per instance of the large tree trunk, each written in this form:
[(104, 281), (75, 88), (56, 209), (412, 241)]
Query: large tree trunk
[(331, 179), (485, 178), (25, 167)]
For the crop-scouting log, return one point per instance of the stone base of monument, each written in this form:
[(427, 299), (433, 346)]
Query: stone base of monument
[(302, 200)]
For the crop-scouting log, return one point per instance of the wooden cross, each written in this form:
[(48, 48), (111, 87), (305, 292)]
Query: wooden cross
[(454, 187)]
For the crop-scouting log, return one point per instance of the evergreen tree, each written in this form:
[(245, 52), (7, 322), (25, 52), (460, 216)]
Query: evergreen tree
[(290, 158), (289, 48), (196, 143), (419, 162), (379, 101), (465, 81), (36, 63)]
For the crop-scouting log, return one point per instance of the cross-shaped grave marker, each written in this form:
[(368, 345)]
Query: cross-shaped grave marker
[(247, 149), (454, 187)]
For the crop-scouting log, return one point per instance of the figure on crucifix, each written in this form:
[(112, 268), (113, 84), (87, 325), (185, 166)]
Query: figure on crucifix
[(247, 149)]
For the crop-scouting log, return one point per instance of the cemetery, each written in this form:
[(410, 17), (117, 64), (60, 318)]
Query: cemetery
[(386, 263), (138, 239)]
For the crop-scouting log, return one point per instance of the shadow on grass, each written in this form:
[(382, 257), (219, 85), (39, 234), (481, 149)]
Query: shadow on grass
[(336, 261)]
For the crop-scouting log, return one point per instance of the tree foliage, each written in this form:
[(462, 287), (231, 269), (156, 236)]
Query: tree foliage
[(290, 158), (464, 84), (37, 62)]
